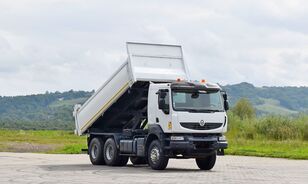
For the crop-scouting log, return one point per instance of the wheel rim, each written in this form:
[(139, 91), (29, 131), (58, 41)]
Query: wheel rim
[(109, 152), (94, 151), (154, 155)]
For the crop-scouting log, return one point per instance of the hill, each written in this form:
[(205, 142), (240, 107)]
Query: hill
[(271, 100), (43, 111), (54, 110)]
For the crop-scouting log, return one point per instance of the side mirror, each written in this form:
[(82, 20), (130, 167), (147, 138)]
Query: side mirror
[(226, 103)]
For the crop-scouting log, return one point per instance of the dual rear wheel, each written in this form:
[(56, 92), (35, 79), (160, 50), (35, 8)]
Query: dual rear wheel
[(105, 153)]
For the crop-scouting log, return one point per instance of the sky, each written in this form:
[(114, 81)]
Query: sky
[(58, 45)]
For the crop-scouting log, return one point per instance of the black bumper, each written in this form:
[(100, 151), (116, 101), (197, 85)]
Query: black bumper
[(192, 147)]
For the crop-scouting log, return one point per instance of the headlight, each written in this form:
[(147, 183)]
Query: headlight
[(177, 138)]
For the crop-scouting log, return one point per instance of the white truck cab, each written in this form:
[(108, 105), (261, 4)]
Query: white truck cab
[(150, 110), (187, 107)]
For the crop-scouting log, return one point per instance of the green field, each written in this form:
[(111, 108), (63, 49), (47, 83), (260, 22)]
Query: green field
[(269, 136), (55, 141), (293, 149), (41, 141)]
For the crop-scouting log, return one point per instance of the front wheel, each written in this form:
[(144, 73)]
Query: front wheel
[(156, 158), (206, 163)]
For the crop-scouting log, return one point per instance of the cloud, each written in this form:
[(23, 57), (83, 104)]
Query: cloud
[(76, 44)]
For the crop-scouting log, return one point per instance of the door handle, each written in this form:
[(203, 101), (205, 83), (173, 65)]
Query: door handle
[(157, 120)]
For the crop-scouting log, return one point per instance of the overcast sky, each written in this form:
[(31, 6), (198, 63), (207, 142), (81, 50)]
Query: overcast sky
[(58, 45)]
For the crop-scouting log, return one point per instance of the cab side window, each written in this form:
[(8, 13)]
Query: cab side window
[(163, 100)]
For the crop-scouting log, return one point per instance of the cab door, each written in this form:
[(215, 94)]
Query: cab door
[(163, 113)]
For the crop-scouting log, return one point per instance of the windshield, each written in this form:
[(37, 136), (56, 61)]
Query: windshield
[(197, 101)]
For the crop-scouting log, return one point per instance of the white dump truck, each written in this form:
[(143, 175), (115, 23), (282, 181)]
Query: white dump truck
[(149, 110)]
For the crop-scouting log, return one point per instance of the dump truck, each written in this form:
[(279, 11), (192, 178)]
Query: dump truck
[(150, 111)]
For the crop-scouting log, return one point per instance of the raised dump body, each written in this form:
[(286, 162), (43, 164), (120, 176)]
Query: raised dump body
[(125, 92)]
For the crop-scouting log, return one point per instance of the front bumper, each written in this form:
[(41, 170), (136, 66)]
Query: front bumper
[(192, 147)]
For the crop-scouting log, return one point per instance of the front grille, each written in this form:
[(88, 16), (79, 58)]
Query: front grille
[(197, 126)]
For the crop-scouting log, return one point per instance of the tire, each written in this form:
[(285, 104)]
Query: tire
[(96, 151), (206, 163), (138, 160), (156, 158), (111, 154)]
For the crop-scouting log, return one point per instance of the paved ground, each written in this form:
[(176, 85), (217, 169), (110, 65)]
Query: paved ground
[(44, 168)]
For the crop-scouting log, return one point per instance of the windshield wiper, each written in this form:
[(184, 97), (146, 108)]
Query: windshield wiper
[(193, 110), (189, 110), (207, 110), (212, 110)]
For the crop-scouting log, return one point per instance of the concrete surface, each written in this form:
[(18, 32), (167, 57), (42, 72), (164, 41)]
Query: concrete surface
[(45, 168)]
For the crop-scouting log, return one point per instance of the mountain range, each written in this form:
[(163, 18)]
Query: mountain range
[(53, 110)]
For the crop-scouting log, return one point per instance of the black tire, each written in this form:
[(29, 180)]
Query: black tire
[(156, 158), (138, 160), (111, 154), (96, 151), (206, 163)]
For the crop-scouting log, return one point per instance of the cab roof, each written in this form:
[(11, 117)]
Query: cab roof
[(195, 85)]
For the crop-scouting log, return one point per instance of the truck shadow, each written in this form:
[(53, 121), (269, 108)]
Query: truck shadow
[(127, 169)]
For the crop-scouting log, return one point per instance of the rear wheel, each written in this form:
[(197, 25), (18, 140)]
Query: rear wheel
[(138, 160), (206, 163), (96, 151), (111, 154), (156, 158)]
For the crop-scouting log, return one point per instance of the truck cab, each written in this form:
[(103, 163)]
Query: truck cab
[(187, 107), (190, 118)]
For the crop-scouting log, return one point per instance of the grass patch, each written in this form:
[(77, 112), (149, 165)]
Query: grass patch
[(41, 141), (293, 149), (270, 136)]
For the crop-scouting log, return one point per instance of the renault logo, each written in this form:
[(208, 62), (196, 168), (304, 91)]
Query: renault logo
[(202, 123)]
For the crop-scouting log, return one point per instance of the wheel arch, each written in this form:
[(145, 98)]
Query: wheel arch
[(155, 133), (149, 139)]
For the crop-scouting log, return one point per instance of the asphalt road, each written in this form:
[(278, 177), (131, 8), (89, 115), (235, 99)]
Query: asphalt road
[(45, 168)]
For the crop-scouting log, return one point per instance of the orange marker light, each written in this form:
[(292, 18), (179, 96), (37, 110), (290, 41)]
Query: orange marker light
[(203, 81), (169, 125)]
